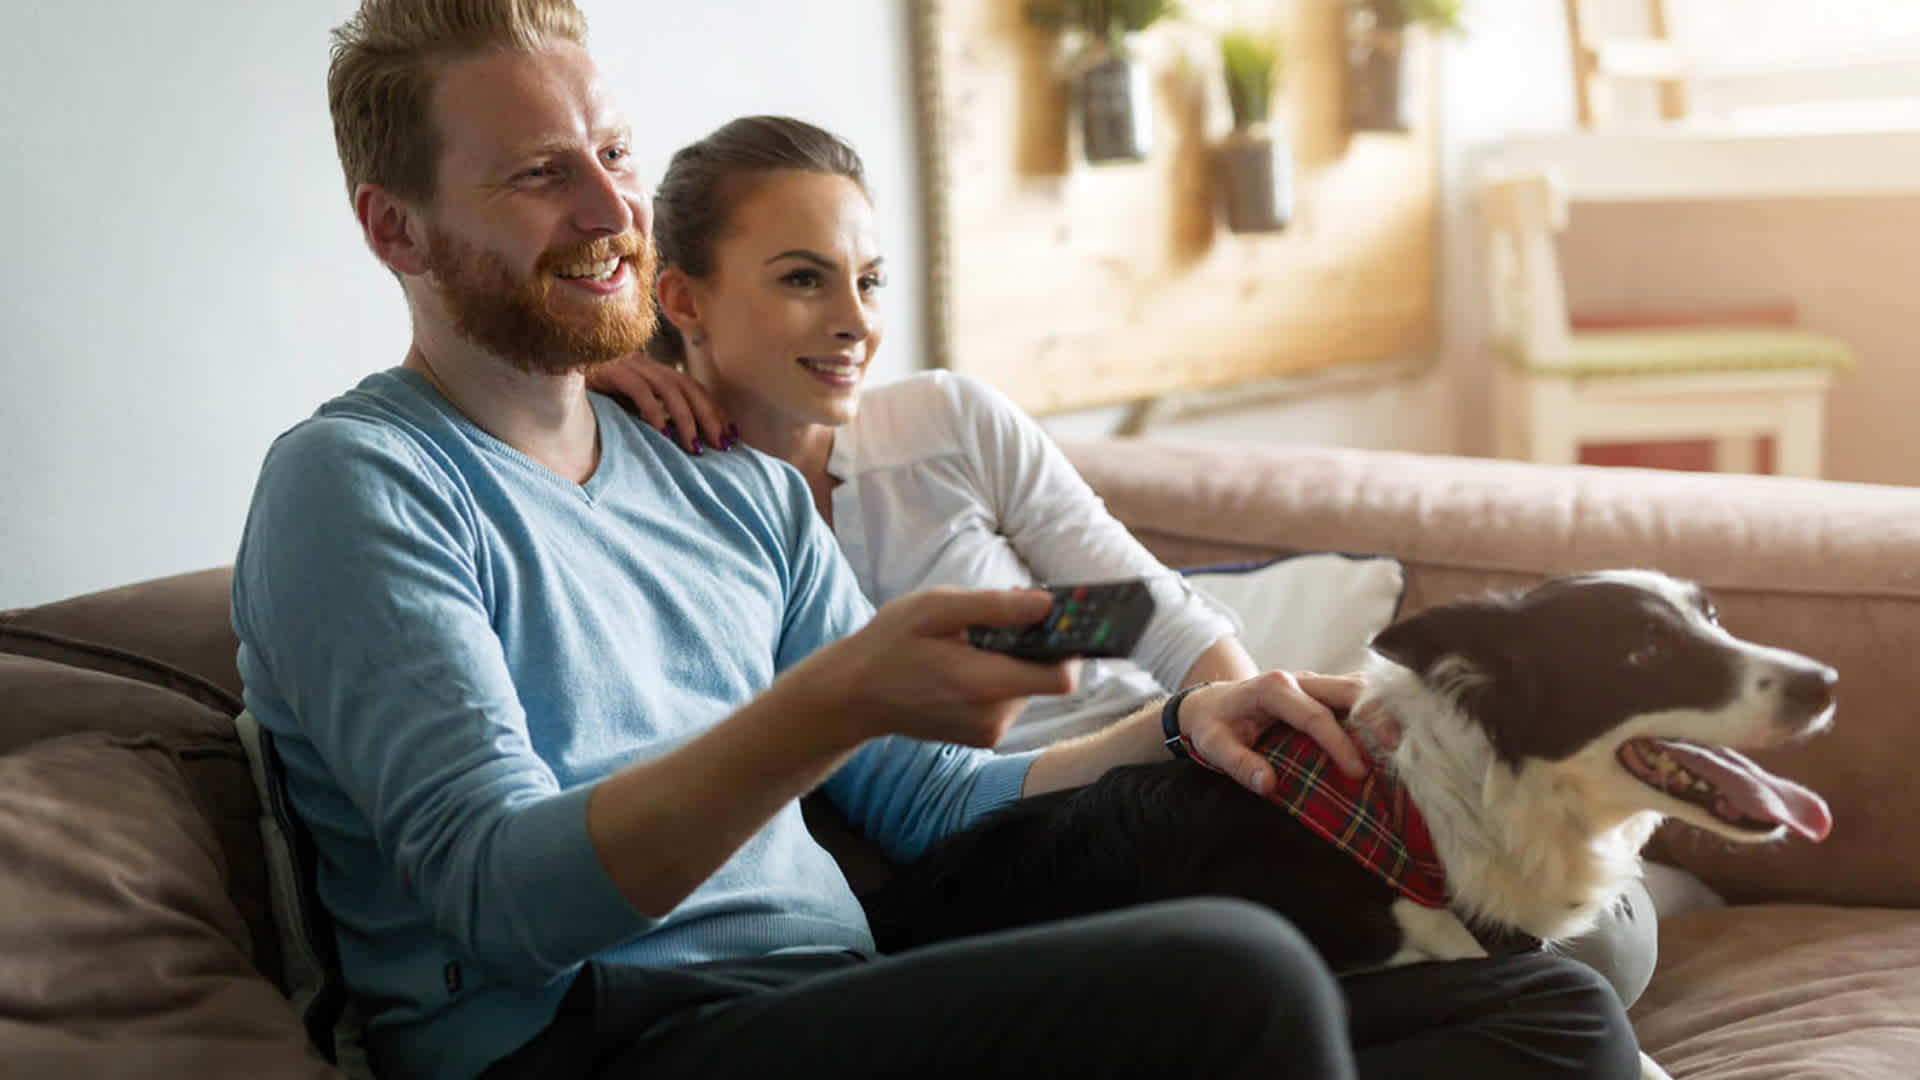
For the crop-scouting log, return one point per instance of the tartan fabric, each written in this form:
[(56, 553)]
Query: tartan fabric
[(1370, 818)]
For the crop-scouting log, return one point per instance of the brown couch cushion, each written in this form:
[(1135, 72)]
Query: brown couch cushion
[(41, 700), (1785, 992), (174, 631), (125, 956)]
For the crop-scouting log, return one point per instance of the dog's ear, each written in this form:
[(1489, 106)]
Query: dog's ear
[(1467, 629)]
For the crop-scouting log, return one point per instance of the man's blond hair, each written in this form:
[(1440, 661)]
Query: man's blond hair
[(386, 60)]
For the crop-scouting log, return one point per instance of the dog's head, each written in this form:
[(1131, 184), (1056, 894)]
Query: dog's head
[(1624, 685)]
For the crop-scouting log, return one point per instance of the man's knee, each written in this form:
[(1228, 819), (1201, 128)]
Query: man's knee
[(1572, 1003), (1240, 951), (1242, 977)]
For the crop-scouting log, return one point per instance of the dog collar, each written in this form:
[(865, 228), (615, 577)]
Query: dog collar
[(1370, 818)]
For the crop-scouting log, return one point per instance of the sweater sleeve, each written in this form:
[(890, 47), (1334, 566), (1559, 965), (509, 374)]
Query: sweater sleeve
[(905, 794), (1063, 532), (359, 590)]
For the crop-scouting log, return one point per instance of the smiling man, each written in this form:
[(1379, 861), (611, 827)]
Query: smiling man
[(547, 689)]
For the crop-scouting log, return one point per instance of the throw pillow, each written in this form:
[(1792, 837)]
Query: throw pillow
[(311, 956), (1307, 612), (125, 955)]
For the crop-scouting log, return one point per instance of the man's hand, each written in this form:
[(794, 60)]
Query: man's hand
[(1224, 720), (669, 399), (910, 670)]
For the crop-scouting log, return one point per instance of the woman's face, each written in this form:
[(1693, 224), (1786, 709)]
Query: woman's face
[(790, 312)]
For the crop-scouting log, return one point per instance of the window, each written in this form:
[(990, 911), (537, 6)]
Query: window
[(1791, 65)]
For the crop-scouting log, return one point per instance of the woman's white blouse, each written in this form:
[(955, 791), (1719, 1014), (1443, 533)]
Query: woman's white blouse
[(944, 481)]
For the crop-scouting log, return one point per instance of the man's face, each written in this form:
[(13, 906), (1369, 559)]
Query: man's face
[(539, 241)]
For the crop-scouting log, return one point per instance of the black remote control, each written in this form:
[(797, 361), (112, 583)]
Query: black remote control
[(1097, 619)]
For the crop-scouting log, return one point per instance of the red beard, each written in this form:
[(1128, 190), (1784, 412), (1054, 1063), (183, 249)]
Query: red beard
[(514, 319)]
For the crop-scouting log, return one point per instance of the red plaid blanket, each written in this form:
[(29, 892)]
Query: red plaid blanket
[(1371, 818)]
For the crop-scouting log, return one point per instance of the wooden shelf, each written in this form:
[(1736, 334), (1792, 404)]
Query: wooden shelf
[(1683, 165)]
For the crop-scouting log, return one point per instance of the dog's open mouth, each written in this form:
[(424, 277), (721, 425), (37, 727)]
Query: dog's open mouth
[(1727, 785)]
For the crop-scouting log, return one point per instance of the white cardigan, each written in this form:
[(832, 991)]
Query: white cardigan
[(944, 481)]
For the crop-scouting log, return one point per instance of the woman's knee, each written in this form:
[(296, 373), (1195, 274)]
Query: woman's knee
[(1624, 945)]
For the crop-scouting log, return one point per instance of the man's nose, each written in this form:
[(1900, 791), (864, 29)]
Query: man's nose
[(610, 204)]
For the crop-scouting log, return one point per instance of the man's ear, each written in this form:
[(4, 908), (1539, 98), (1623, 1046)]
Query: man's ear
[(677, 300), (394, 231)]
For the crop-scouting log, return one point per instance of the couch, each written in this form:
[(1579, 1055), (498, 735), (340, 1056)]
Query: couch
[(135, 905)]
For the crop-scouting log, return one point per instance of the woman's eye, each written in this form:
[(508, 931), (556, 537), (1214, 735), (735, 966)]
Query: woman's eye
[(871, 282), (806, 279)]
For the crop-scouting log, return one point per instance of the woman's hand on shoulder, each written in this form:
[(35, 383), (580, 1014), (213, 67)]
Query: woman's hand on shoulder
[(668, 399)]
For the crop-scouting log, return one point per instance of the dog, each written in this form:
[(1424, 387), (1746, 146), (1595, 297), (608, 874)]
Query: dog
[(1523, 749)]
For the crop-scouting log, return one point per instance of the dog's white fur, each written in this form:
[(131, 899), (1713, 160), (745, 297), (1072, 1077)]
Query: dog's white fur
[(1544, 848)]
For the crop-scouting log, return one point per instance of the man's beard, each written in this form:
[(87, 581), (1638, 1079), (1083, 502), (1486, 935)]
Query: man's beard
[(513, 319)]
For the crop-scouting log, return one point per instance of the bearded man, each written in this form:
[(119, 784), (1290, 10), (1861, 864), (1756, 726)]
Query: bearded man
[(546, 690)]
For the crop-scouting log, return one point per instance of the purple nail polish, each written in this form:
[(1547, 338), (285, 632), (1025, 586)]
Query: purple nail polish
[(698, 446)]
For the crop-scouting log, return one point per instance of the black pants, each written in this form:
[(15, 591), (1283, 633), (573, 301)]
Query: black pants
[(1190, 988)]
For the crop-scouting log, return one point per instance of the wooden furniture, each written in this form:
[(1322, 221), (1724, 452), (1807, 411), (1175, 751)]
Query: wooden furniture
[(1556, 388), (1605, 64)]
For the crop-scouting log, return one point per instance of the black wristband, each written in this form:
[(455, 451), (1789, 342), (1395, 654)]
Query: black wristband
[(1170, 720)]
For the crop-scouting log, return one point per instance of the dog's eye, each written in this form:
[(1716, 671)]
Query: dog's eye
[(1712, 613)]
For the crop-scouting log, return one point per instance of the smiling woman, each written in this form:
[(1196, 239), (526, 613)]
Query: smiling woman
[(769, 290)]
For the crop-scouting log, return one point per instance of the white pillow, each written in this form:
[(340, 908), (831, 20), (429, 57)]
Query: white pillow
[(1310, 612)]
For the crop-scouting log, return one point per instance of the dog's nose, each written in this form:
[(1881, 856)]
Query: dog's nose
[(1811, 688)]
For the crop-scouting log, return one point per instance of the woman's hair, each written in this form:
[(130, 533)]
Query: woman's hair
[(708, 179), (386, 59)]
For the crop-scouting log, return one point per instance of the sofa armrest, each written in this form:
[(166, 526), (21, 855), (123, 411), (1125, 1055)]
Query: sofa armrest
[(1828, 569)]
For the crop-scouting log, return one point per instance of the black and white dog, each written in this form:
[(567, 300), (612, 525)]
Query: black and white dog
[(1539, 738)]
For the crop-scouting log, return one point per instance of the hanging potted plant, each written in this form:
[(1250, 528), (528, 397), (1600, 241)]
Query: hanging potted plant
[(1255, 161), (1379, 94), (1111, 88)]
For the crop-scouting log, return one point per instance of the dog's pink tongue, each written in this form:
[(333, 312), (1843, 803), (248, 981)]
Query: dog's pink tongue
[(1754, 791)]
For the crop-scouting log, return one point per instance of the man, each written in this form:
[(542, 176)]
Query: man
[(547, 690)]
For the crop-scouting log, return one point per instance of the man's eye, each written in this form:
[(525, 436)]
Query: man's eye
[(536, 172), (616, 153)]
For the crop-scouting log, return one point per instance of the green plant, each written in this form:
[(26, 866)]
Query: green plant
[(1102, 20), (1440, 16), (1252, 66)]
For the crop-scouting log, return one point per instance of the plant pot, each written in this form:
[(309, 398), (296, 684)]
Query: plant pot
[(1378, 90), (1253, 175), (1115, 99)]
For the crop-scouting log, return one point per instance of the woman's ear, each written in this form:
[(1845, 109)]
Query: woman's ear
[(678, 302)]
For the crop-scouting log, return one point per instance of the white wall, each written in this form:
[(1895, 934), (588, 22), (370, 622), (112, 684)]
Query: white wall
[(181, 277)]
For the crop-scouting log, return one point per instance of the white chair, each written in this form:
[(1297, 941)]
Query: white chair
[(1556, 388)]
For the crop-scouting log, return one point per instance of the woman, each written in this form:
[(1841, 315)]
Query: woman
[(769, 291)]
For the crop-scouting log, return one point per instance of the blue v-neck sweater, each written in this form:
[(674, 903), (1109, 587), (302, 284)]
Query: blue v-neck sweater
[(450, 644)]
